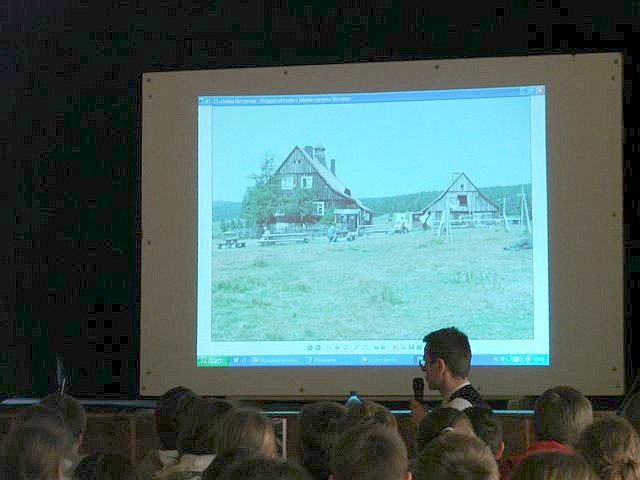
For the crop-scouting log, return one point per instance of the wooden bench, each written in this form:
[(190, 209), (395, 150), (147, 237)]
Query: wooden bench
[(276, 238)]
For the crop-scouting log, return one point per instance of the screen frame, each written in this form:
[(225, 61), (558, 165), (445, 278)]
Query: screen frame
[(584, 165)]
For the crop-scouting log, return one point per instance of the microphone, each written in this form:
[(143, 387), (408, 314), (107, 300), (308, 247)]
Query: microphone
[(61, 378), (418, 389)]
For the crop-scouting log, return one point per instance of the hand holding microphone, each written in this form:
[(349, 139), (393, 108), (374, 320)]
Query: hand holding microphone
[(418, 412)]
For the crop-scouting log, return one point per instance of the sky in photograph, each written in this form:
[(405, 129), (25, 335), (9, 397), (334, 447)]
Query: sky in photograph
[(381, 149)]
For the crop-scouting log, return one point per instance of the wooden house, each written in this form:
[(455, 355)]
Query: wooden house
[(306, 170), (464, 202)]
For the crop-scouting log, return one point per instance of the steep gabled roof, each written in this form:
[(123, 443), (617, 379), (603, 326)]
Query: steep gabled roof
[(453, 182), (332, 180)]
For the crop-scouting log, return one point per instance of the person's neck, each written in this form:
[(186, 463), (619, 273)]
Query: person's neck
[(451, 384)]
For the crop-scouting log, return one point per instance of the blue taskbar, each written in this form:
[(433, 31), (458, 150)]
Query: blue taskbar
[(361, 360)]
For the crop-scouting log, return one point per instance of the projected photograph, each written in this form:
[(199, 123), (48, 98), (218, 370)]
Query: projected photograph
[(371, 217)]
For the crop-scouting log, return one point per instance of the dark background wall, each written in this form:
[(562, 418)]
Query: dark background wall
[(69, 164)]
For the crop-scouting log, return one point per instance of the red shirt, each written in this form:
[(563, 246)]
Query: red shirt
[(507, 465)]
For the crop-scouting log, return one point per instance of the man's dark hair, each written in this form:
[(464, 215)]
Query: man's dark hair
[(318, 433), (368, 452), (487, 426), (453, 347), (73, 414), (170, 414), (561, 413)]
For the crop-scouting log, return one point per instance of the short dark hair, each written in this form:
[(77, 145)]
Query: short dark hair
[(561, 413), (200, 429), (487, 425), (318, 427), (368, 412), (171, 411), (453, 347), (367, 452), (264, 469), (436, 422), (104, 466), (455, 456), (74, 414), (553, 465), (224, 460)]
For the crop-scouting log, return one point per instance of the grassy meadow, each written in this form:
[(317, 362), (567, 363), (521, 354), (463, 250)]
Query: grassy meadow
[(397, 286)]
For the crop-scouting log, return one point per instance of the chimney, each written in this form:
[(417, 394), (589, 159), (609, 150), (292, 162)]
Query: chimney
[(333, 166), (308, 149), (319, 154)]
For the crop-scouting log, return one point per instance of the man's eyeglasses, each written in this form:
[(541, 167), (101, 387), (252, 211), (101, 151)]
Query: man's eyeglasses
[(423, 363)]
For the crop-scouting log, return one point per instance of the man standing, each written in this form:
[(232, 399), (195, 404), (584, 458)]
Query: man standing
[(446, 364)]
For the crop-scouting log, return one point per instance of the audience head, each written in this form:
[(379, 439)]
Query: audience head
[(73, 414), (561, 413), (612, 448), (456, 456), (104, 466), (227, 458), (262, 468), (198, 433), (439, 421), (553, 465), (45, 417), (370, 452), (246, 427), (368, 412), (452, 346), (170, 414), (32, 452), (631, 411), (487, 427), (318, 433)]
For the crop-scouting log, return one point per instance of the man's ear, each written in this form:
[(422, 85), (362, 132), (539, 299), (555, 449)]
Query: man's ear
[(500, 451)]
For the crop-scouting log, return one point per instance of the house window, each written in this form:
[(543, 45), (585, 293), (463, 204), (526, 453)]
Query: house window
[(366, 216), (319, 206), (287, 183), (306, 181), (462, 200)]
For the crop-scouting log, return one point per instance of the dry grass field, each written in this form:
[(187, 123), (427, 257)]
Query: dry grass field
[(379, 287)]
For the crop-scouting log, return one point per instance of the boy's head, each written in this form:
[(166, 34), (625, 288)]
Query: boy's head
[(318, 433), (561, 413), (553, 465), (170, 413), (246, 427), (439, 421), (368, 452), (104, 466), (456, 456), (368, 412), (452, 346), (488, 428), (73, 414), (199, 430)]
